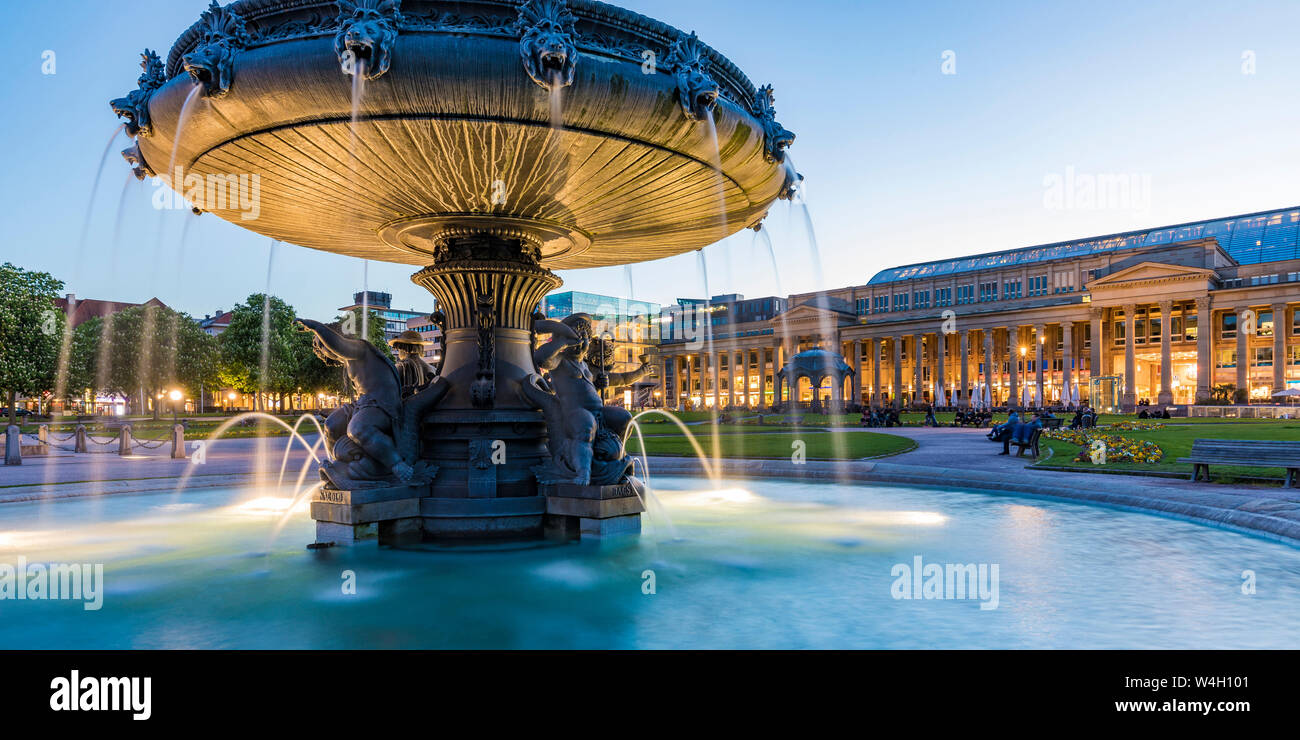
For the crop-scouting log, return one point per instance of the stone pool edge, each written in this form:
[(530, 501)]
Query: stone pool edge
[(1220, 510)]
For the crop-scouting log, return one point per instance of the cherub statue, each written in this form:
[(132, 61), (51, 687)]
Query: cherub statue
[(375, 440), (586, 436)]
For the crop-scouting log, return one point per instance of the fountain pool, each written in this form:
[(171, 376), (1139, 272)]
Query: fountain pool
[(768, 564)]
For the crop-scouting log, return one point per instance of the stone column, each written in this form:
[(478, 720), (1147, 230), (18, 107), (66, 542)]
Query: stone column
[(1129, 402), (988, 362), (898, 371), (1204, 349), (874, 343), (963, 356), (941, 359), (689, 376), (918, 366), (1166, 395), (1279, 347), (1067, 360), (1098, 344), (713, 378), (1244, 316), (1013, 369), (855, 362), (1040, 339)]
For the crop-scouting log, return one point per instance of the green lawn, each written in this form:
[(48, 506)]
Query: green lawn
[(775, 444), (1175, 440), (148, 429)]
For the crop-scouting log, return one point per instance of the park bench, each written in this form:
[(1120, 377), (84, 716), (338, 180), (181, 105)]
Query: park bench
[(1031, 445), (1053, 423), (1251, 452)]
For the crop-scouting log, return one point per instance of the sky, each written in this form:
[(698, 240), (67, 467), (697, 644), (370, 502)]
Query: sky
[(925, 131)]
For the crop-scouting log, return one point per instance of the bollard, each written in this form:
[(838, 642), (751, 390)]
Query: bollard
[(178, 442), (80, 444), (124, 440), (43, 434), (13, 446)]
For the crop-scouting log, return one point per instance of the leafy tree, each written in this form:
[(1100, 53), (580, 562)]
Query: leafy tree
[(31, 332), (262, 321), (143, 348)]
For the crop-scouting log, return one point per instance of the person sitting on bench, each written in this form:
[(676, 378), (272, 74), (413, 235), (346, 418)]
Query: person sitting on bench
[(1020, 434), (996, 432)]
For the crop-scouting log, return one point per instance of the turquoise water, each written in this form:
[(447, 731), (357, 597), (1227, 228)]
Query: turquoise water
[(762, 564)]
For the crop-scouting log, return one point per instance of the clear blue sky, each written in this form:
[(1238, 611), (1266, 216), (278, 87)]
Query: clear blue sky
[(903, 162)]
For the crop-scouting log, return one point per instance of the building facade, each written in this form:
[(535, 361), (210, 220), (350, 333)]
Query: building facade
[(630, 329), (382, 304), (1175, 315)]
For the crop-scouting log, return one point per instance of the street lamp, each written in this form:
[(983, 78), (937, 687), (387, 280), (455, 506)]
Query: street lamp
[(175, 396)]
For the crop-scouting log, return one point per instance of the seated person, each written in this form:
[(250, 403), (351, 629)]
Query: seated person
[(996, 432), (1019, 434)]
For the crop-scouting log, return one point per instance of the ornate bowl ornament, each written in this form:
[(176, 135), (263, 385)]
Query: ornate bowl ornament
[(776, 137), (212, 63), (135, 159), (367, 32), (546, 45), (134, 108), (696, 90)]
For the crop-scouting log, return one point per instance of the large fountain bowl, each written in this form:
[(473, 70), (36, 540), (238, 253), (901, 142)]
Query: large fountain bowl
[(457, 136)]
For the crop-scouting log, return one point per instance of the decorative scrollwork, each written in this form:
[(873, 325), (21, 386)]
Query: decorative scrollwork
[(367, 33), (696, 90), (483, 390), (776, 137), (547, 44), (212, 63), (134, 108)]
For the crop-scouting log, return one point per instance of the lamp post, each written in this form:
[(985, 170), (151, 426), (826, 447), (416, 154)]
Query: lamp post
[(175, 396)]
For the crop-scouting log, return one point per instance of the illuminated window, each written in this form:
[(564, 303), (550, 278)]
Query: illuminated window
[(1228, 327), (1264, 327)]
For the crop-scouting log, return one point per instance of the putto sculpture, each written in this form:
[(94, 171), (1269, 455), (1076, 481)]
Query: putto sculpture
[(367, 33), (212, 63), (134, 108), (696, 90), (546, 44), (585, 435), (373, 441), (461, 169)]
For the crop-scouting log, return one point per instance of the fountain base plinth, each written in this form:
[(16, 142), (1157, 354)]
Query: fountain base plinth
[(593, 512)]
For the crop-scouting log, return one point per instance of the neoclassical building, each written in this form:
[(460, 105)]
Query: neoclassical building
[(1172, 315)]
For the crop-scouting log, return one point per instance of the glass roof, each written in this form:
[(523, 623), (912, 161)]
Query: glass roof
[(1269, 236)]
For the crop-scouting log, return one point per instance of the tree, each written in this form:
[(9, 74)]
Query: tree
[(261, 349), (150, 349), (31, 332)]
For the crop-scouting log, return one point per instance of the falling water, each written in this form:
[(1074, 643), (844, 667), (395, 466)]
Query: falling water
[(186, 110), (557, 100), (65, 346), (265, 365), (90, 202), (365, 300)]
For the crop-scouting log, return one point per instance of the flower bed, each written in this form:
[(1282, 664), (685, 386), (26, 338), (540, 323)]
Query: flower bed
[(1118, 449)]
